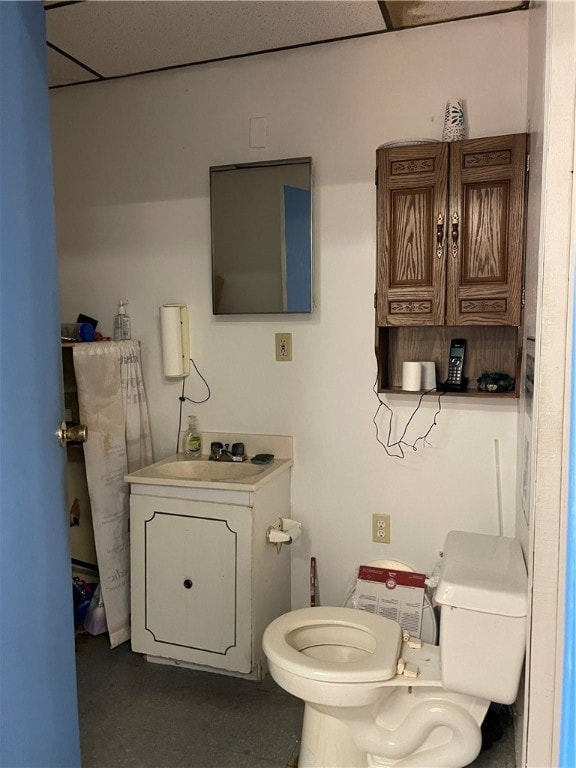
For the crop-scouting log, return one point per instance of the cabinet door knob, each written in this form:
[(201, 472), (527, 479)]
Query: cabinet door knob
[(188, 583)]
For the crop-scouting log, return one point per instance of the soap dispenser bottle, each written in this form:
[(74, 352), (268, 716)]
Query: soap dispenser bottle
[(193, 439), (122, 330)]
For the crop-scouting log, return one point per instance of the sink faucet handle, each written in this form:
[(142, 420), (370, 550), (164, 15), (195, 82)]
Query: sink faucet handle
[(237, 449)]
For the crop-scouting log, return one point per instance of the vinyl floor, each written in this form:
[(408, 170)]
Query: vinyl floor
[(134, 714)]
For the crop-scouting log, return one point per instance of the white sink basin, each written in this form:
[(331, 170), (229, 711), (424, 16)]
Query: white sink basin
[(201, 476), (209, 471)]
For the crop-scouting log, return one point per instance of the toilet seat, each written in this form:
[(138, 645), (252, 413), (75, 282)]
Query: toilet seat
[(340, 645)]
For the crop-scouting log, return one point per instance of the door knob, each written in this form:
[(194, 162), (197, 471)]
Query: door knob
[(77, 433)]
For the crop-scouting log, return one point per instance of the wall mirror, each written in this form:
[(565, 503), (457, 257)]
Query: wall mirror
[(261, 220)]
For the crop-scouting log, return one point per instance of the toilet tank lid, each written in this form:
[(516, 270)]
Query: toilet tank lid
[(483, 573)]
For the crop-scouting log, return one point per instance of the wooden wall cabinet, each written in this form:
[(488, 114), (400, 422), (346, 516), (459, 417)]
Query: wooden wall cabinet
[(450, 254)]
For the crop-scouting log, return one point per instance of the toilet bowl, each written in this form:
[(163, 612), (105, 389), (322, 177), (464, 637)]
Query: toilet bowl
[(374, 697)]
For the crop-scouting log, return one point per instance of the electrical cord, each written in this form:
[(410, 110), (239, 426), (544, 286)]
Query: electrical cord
[(183, 398), (400, 443)]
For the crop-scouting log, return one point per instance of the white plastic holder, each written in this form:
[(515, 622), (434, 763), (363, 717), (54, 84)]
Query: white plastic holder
[(284, 531)]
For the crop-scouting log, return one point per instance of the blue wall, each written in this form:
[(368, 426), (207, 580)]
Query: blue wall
[(38, 709), (568, 728)]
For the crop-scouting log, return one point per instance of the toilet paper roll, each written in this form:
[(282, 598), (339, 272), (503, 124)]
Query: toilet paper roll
[(284, 531), (428, 375), (293, 532), (172, 337), (411, 376)]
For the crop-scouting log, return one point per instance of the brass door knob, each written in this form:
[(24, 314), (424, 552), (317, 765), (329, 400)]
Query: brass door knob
[(73, 434)]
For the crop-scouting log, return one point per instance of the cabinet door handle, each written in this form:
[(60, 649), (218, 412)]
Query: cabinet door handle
[(439, 235), (188, 583), (455, 224)]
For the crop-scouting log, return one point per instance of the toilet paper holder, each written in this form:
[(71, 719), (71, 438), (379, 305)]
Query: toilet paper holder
[(284, 531)]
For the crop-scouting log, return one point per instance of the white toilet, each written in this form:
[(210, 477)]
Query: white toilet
[(373, 699)]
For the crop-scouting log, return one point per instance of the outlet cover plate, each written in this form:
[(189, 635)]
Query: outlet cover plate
[(381, 529), (284, 347)]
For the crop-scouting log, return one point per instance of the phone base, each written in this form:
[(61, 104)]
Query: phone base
[(446, 387)]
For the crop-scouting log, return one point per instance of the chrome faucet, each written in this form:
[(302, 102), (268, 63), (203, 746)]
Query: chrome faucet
[(222, 452)]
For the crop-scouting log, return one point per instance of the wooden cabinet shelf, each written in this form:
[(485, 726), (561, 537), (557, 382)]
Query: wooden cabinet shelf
[(489, 348), (466, 393)]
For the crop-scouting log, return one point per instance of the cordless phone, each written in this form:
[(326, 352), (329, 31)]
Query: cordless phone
[(456, 381)]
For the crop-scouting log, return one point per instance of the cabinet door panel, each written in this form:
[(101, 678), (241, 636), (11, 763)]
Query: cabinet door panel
[(411, 212), (486, 231), (484, 257), (191, 595), (191, 581), (410, 280)]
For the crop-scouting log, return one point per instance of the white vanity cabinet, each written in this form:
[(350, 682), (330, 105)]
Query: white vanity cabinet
[(205, 581)]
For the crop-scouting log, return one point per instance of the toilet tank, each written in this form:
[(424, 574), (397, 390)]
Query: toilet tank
[(483, 591)]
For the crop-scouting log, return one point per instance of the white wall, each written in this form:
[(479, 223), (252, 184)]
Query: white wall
[(131, 165), (528, 404), (551, 110)]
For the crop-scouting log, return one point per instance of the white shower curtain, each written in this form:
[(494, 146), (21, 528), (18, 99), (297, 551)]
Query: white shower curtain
[(113, 405)]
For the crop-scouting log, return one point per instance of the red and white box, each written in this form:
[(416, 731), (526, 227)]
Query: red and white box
[(396, 595)]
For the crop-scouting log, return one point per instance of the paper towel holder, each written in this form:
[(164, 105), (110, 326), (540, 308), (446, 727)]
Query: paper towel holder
[(175, 333)]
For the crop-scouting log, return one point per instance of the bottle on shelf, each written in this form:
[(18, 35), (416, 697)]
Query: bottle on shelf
[(122, 331), (193, 439)]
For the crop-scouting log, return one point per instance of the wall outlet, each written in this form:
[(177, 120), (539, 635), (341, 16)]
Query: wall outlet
[(381, 529), (284, 347)]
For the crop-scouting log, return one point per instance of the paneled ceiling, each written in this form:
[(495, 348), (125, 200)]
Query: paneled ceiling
[(96, 40)]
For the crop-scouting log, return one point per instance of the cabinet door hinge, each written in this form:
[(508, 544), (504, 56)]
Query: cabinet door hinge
[(523, 296), (527, 163), (375, 299), (376, 177)]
